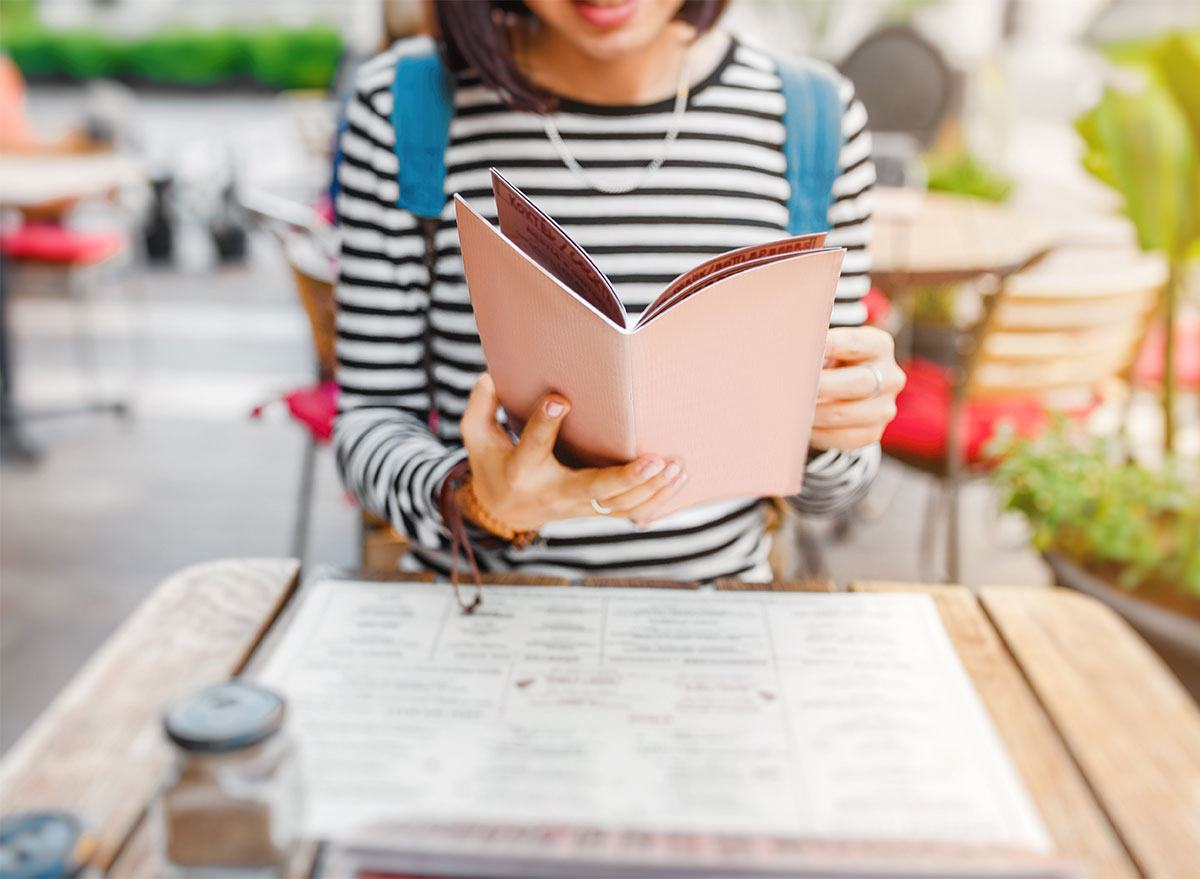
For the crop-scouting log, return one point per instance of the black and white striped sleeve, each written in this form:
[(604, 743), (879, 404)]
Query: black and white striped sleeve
[(834, 479), (388, 457)]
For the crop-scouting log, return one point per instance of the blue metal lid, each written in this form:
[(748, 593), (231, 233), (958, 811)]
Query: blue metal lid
[(44, 845), (225, 717)]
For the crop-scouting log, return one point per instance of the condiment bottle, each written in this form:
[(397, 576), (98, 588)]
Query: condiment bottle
[(45, 845), (231, 805)]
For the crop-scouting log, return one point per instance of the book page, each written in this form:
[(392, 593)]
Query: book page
[(543, 240), (728, 263), (834, 717)]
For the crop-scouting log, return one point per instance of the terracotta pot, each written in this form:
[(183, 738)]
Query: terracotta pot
[(1174, 636)]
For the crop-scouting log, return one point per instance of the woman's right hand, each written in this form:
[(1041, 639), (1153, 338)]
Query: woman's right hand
[(524, 486)]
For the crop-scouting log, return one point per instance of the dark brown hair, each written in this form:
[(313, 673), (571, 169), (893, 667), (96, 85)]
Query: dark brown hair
[(474, 34)]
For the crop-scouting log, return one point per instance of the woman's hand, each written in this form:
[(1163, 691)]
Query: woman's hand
[(856, 397), (524, 486)]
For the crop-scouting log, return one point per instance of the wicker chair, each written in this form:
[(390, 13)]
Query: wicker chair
[(1060, 336)]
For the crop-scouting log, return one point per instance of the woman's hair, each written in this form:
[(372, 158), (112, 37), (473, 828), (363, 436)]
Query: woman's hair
[(475, 34)]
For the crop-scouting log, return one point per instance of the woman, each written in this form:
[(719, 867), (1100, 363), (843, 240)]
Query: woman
[(574, 101)]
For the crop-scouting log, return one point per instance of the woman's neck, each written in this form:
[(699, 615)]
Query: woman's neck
[(642, 77)]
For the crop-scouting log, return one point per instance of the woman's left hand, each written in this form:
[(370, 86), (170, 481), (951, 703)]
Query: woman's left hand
[(856, 397)]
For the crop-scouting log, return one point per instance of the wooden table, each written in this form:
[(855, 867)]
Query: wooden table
[(1107, 741), (36, 179), (927, 238)]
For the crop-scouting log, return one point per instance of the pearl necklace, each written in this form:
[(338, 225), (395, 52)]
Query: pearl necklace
[(681, 99)]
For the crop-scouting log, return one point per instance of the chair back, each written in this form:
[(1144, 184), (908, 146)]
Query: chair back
[(317, 297), (904, 82), (309, 244), (1073, 320)]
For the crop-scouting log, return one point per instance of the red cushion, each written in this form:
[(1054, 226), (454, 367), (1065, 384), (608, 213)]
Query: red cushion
[(1150, 367), (923, 416), (315, 407), (50, 242), (879, 307)]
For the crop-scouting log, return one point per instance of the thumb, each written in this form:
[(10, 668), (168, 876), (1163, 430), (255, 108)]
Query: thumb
[(541, 431), (478, 424)]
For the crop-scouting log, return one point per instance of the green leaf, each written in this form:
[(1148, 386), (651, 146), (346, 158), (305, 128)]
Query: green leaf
[(1149, 152), (1178, 60)]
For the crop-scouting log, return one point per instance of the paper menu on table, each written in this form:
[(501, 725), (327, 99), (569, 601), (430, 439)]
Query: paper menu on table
[(830, 716)]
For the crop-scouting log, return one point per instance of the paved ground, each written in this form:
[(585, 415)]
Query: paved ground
[(114, 506)]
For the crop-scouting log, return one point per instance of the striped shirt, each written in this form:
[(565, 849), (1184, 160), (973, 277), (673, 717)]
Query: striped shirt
[(408, 345)]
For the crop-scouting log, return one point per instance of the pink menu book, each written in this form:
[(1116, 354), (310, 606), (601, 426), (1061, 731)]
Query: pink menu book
[(720, 370)]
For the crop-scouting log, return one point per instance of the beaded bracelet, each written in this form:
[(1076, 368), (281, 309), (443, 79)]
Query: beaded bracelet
[(472, 509)]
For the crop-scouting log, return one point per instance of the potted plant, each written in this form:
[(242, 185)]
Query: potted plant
[(1125, 533)]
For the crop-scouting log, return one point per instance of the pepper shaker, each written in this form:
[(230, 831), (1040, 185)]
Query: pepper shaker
[(231, 804)]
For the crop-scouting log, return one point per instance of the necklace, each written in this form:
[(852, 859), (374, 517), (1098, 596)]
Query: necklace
[(681, 99)]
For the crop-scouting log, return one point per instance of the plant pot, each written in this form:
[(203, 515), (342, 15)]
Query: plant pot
[(1174, 636)]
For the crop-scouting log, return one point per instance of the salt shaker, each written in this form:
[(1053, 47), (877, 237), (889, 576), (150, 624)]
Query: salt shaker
[(231, 804)]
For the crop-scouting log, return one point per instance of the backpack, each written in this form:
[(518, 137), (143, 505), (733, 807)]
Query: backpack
[(423, 103)]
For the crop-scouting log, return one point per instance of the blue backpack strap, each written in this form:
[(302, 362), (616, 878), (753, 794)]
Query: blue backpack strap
[(422, 104), (813, 117)]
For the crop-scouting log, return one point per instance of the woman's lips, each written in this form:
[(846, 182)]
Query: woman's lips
[(603, 14)]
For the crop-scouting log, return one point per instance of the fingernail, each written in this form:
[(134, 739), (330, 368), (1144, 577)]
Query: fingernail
[(651, 467), (683, 477), (673, 470), (555, 408)]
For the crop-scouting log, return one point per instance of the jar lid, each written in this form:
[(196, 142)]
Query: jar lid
[(225, 717), (44, 845)]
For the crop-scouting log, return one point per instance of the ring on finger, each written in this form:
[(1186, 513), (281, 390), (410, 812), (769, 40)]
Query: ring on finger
[(878, 380), (599, 508)]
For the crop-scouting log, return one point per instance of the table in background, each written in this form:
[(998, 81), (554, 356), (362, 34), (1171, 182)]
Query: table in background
[(28, 181), (927, 238), (1105, 738)]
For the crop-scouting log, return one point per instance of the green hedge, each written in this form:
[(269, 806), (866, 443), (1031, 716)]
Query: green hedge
[(284, 59)]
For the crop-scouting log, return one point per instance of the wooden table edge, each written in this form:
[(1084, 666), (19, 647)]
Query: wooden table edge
[(1073, 812), (22, 773), (1154, 807)]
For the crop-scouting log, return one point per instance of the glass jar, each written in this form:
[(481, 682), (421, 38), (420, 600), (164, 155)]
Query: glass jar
[(231, 805), (45, 845)]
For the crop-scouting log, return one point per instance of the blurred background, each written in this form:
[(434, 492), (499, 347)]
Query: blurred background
[(164, 174)]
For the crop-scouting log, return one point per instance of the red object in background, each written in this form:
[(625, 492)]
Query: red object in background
[(879, 307), (50, 242), (314, 406), (923, 416), (1151, 363)]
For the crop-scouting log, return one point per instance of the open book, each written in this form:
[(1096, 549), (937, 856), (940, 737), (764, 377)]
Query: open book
[(720, 370)]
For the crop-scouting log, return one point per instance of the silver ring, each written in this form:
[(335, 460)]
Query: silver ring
[(603, 511), (878, 380)]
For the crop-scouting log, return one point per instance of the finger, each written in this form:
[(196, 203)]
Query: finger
[(856, 413), (849, 383), (541, 432), (628, 500), (856, 344), (478, 424), (643, 512), (846, 439), (607, 482)]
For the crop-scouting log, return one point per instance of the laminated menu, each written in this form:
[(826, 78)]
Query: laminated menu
[(720, 370), (575, 731)]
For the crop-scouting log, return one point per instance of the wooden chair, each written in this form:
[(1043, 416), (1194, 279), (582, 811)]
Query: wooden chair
[(307, 247), (1060, 336)]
